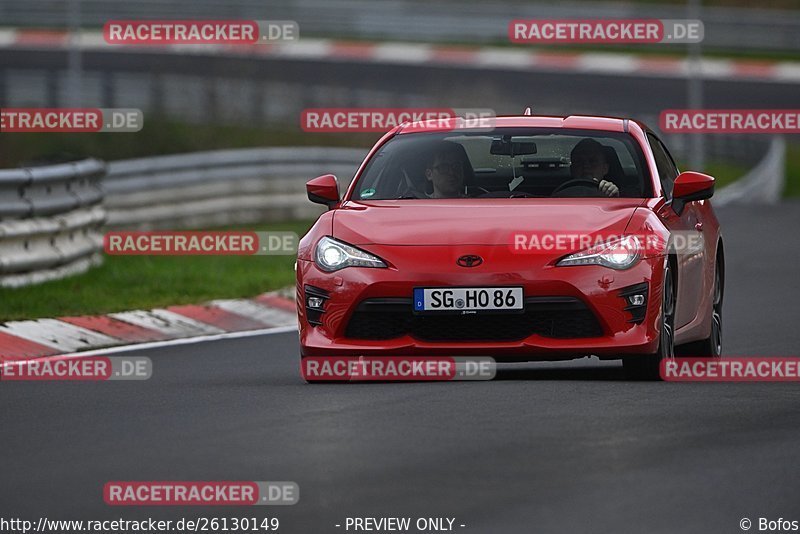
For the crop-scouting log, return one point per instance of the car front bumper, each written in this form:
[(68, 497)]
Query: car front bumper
[(596, 288)]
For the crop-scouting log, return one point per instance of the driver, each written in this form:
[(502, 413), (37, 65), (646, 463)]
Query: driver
[(588, 161), (445, 170)]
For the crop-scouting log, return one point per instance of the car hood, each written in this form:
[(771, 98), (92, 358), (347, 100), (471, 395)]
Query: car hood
[(477, 221)]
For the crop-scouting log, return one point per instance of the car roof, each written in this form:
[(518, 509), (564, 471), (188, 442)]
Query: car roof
[(578, 122)]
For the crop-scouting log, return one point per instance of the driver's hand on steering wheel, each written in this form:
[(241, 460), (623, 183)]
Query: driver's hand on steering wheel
[(609, 189)]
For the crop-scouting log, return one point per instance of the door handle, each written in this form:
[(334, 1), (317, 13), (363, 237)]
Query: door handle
[(698, 227)]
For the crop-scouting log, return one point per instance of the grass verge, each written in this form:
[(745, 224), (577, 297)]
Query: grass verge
[(792, 188), (727, 173), (723, 172), (132, 282)]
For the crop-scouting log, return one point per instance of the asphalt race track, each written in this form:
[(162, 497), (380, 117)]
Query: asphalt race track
[(563, 447)]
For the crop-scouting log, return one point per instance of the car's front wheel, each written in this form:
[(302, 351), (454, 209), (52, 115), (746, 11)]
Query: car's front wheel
[(647, 366), (711, 347)]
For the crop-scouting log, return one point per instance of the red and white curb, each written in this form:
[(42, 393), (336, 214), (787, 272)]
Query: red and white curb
[(503, 58), (21, 340)]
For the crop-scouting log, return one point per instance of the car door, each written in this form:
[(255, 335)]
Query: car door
[(690, 265)]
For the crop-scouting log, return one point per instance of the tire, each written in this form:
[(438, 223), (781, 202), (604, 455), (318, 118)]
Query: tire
[(711, 347), (647, 366)]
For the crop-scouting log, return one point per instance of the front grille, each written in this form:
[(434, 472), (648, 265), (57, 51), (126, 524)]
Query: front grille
[(554, 317)]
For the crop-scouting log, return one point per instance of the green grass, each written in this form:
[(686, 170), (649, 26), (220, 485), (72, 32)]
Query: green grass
[(131, 282), (792, 170), (724, 173)]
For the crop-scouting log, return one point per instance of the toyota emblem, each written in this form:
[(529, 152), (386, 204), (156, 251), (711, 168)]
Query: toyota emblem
[(470, 260)]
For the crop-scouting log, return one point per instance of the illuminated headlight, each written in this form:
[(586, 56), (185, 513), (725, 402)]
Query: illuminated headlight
[(619, 254), (332, 255)]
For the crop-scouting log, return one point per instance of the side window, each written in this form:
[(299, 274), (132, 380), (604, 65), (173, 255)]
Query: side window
[(667, 171)]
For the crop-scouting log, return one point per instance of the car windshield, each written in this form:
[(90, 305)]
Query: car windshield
[(505, 163)]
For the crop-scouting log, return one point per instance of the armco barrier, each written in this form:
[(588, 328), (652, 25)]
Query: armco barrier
[(50, 221), (51, 217), (764, 183), (207, 189)]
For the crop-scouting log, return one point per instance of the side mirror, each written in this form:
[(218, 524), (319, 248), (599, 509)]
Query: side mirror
[(323, 190), (690, 186)]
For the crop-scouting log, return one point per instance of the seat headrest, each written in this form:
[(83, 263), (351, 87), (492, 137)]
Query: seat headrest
[(629, 186), (614, 166)]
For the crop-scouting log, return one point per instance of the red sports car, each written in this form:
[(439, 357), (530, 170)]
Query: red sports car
[(532, 238)]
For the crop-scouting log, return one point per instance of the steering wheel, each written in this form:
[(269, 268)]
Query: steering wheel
[(577, 182)]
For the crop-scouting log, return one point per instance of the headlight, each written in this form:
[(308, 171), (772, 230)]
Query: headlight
[(332, 255), (620, 253)]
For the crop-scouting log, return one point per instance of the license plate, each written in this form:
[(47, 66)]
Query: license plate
[(468, 299)]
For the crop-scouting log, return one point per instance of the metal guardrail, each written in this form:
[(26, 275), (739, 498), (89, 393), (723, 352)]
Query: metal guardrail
[(764, 183), (223, 187), (50, 220)]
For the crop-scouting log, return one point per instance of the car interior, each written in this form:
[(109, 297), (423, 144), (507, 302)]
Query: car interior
[(502, 167)]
